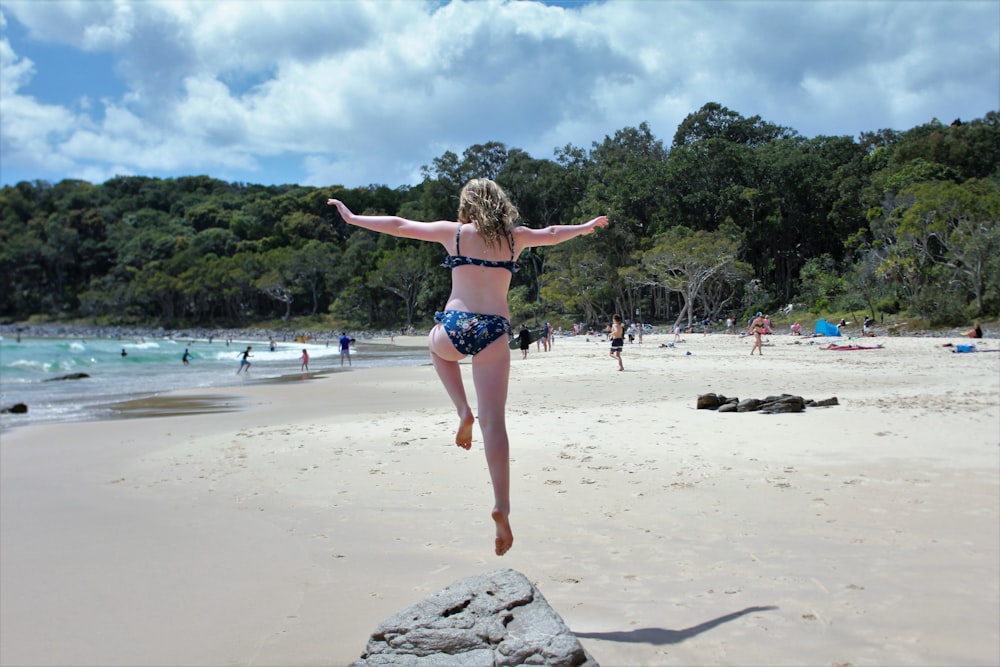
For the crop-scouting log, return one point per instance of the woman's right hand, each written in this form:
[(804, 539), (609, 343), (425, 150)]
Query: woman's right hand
[(345, 213)]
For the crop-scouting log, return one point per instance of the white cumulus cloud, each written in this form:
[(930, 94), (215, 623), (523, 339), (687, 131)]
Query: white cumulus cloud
[(359, 92)]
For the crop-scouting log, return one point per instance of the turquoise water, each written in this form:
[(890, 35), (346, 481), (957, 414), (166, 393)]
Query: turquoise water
[(151, 367)]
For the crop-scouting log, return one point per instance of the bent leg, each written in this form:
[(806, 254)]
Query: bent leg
[(491, 375), (445, 358)]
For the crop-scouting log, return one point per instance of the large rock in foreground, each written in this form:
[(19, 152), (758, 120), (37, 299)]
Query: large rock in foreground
[(491, 619)]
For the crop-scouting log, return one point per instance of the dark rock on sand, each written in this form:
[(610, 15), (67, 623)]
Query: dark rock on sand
[(769, 405), (708, 402), (16, 409), (784, 403), (822, 404), (71, 376), (496, 619)]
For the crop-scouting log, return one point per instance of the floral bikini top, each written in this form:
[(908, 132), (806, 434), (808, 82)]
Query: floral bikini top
[(458, 259)]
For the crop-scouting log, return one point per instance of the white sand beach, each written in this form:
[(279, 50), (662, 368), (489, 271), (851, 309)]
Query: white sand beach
[(866, 533)]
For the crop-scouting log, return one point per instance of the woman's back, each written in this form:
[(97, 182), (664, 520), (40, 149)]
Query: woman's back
[(477, 287)]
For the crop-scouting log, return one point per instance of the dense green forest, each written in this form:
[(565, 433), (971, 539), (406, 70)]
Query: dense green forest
[(735, 215)]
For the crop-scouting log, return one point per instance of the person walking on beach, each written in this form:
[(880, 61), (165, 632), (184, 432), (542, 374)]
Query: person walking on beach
[(245, 361), (524, 341), (757, 329), (305, 360), (345, 348), (617, 336), (476, 319)]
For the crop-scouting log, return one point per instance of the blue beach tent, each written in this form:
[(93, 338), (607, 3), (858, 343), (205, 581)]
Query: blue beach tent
[(824, 328)]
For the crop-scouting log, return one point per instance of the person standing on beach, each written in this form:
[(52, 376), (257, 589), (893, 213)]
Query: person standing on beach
[(617, 337), (543, 338), (524, 341), (476, 319), (757, 329), (345, 348), (245, 361), (305, 360)]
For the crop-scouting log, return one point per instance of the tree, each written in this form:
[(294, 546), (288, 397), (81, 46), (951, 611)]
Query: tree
[(684, 262), (714, 121), (580, 280), (947, 243), (279, 281), (312, 266), (401, 271), (539, 189)]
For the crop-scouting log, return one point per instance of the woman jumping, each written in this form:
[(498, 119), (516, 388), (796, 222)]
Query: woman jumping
[(482, 247)]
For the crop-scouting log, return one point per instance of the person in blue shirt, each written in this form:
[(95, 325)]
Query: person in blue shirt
[(345, 348)]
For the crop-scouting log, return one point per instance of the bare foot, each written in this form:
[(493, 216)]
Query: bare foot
[(464, 436), (505, 538)]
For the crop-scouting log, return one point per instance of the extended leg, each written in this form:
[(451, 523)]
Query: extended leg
[(491, 375), (445, 358)]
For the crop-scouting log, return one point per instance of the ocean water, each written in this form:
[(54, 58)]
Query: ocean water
[(151, 367)]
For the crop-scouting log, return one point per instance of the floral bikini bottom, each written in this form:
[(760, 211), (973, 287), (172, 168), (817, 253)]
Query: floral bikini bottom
[(470, 333)]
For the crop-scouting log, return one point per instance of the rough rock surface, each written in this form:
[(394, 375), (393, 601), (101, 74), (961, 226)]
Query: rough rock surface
[(769, 405), (491, 619), (71, 376)]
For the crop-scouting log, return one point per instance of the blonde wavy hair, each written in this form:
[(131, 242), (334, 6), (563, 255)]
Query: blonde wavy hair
[(484, 204)]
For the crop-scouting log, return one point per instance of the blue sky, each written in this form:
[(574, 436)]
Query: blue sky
[(355, 93)]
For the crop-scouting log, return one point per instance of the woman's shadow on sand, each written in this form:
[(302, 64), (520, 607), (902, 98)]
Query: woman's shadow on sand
[(663, 636)]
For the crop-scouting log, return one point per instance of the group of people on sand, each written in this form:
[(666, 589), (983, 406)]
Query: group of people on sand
[(543, 340), (482, 248), (345, 342)]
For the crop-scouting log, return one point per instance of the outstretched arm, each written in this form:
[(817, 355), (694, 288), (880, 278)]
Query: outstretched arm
[(393, 225), (558, 233)]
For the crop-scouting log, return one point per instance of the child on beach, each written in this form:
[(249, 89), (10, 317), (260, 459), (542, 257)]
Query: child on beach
[(483, 246), (245, 361), (617, 336)]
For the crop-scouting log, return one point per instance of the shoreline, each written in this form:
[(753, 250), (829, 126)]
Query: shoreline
[(285, 531), (95, 377), (256, 334)]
